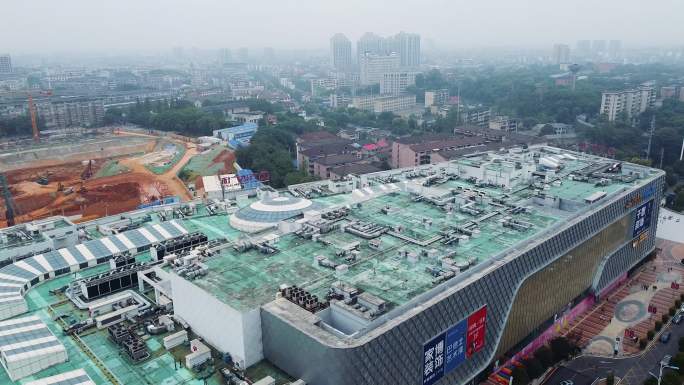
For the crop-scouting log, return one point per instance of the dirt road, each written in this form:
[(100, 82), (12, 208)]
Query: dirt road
[(170, 178)]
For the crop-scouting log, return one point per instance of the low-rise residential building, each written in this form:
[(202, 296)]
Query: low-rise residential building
[(669, 92), (84, 113), (419, 150), (428, 149), (340, 172), (379, 104), (323, 164), (505, 123), (477, 116), (436, 97), (246, 117), (396, 83), (313, 145), (630, 102)]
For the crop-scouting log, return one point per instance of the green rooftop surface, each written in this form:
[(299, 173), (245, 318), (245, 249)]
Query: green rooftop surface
[(98, 352), (246, 280)]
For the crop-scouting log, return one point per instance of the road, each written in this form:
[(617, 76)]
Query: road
[(175, 185), (633, 370)]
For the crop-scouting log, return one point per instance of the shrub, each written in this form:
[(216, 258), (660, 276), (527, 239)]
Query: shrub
[(610, 378), (665, 318), (678, 361), (681, 297), (642, 344), (678, 303), (545, 356), (534, 368), (520, 376), (658, 326), (671, 378), (672, 311), (650, 334), (561, 348)]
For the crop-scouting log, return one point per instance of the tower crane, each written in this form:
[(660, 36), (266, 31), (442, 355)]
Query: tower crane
[(32, 112)]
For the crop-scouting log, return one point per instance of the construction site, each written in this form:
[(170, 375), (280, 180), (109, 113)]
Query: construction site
[(87, 175)]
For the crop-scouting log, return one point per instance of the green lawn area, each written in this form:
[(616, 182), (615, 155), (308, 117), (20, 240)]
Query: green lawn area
[(180, 151), (110, 168)]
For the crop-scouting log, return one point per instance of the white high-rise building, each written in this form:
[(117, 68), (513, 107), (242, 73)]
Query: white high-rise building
[(631, 102), (5, 64), (340, 52), (561, 53), (374, 67), (408, 47), (372, 44), (615, 49)]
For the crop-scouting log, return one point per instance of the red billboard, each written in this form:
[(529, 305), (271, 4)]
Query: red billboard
[(475, 336)]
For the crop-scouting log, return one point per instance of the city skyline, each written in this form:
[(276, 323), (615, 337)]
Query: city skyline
[(114, 28)]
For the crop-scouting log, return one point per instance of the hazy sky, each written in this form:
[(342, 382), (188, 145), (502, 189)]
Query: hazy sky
[(33, 26)]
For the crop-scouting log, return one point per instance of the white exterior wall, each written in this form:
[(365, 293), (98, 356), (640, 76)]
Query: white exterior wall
[(25, 367), (223, 327)]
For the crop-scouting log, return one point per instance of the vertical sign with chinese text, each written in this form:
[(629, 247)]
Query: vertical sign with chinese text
[(642, 219), (475, 336), (446, 351)]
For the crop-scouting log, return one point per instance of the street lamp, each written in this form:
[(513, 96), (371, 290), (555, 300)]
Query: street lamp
[(664, 363)]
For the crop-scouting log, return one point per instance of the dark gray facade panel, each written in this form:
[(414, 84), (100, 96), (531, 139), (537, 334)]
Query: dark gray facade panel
[(395, 357)]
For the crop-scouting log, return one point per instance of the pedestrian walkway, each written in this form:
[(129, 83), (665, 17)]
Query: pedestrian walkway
[(651, 288), (624, 307)]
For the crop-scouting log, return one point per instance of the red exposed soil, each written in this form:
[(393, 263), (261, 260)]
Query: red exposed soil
[(102, 196), (227, 158), (57, 173)]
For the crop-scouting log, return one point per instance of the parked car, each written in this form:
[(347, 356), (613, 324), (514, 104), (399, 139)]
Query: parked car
[(665, 337), (677, 319)]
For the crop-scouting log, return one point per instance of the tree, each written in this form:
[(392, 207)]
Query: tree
[(610, 378), (534, 367), (679, 201), (297, 177), (520, 376), (18, 126), (678, 361), (671, 377), (545, 357), (561, 348), (270, 150), (547, 130)]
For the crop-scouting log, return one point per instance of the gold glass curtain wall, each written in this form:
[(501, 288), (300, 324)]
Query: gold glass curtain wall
[(549, 290)]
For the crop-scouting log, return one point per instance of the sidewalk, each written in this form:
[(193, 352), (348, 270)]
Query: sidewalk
[(627, 306)]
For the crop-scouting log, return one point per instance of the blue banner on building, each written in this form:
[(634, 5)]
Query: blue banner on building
[(433, 360), (444, 353), (642, 219), (455, 346)]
